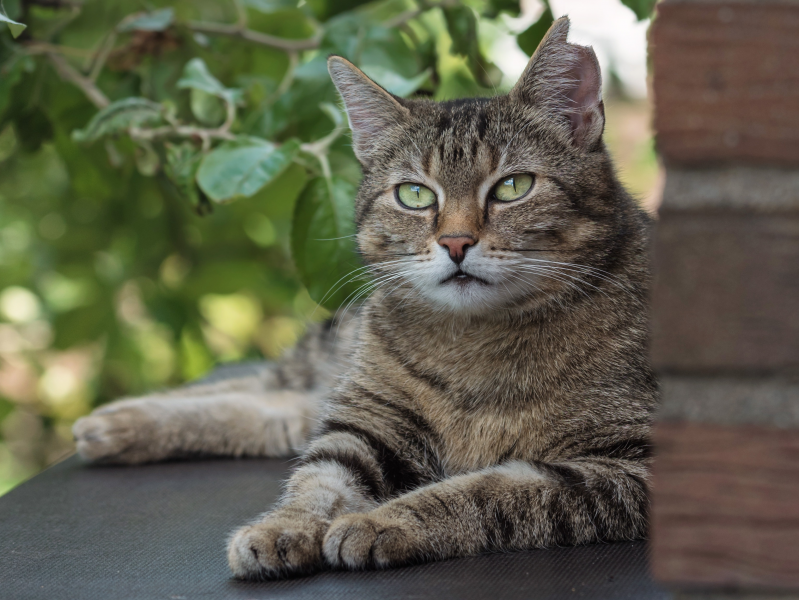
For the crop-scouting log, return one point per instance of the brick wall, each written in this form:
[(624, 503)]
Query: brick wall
[(726, 296)]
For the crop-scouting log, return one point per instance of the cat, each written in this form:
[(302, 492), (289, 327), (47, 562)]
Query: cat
[(494, 392)]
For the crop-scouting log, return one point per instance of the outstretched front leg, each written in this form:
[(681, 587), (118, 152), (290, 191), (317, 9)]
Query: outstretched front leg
[(514, 506)]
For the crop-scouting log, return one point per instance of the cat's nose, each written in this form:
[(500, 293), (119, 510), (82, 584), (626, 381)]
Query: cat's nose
[(457, 246)]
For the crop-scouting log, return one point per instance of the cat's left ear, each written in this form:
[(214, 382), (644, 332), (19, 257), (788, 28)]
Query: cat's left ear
[(565, 78), (372, 111)]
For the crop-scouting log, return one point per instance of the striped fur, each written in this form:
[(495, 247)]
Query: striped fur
[(506, 409)]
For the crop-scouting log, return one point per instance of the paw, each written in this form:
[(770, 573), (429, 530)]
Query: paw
[(277, 547), (117, 433), (362, 541)]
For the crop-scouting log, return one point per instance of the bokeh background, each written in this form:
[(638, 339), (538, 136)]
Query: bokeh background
[(121, 272)]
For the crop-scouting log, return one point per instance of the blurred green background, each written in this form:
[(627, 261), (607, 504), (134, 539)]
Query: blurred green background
[(190, 220)]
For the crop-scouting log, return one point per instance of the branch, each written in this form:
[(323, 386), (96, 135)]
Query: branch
[(256, 37), (402, 18), (68, 73)]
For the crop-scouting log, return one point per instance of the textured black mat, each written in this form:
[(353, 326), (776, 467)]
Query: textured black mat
[(77, 532)]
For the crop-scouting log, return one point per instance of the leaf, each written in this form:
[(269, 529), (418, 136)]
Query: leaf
[(269, 6), (529, 39), (119, 116), (182, 162), (393, 82), (242, 167), (512, 7), (462, 27), (157, 20), (10, 76), (147, 160), (196, 76), (207, 108), (322, 242), (15, 28), (641, 8)]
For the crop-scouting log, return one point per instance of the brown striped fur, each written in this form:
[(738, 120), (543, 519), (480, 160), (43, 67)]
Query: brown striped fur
[(505, 409)]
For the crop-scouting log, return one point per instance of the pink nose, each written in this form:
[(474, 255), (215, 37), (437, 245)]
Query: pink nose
[(457, 246)]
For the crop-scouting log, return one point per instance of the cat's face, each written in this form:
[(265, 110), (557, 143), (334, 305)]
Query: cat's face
[(478, 205)]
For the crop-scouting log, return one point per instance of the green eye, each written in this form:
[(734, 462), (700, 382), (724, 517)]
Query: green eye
[(513, 187), (414, 195)]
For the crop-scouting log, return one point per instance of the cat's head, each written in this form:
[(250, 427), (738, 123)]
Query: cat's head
[(485, 204)]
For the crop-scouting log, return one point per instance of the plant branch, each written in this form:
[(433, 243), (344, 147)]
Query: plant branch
[(264, 39), (45, 48), (68, 73), (101, 55), (321, 146)]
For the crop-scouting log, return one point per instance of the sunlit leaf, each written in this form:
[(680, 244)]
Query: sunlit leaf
[(269, 6), (322, 242), (157, 20), (119, 116), (393, 82), (15, 28), (242, 167)]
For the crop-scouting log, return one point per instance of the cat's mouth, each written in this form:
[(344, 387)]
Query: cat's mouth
[(461, 278)]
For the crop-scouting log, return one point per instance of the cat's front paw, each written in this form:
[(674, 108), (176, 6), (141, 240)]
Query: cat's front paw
[(118, 433), (277, 547), (362, 541)]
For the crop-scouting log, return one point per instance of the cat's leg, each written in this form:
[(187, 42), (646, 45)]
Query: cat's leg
[(509, 507), (342, 472), (221, 422), (268, 412)]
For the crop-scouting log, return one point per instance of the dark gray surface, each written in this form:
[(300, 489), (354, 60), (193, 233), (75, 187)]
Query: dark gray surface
[(158, 531)]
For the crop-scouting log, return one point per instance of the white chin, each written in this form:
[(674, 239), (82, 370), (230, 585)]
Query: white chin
[(466, 295)]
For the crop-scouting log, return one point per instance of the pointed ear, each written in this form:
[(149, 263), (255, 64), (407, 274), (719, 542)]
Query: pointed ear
[(565, 79), (370, 108)]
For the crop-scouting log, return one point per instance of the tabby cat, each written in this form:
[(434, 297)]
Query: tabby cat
[(494, 392)]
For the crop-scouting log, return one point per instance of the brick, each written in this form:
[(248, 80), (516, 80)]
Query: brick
[(758, 189), (726, 81), (726, 293), (765, 400), (725, 510)]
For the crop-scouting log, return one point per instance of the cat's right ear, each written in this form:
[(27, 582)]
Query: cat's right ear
[(371, 109), (565, 79)]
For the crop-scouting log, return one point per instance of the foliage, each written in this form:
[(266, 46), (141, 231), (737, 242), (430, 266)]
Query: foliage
[(176, 184)]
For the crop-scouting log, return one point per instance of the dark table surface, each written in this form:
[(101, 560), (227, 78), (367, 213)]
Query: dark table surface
[(159, 531)]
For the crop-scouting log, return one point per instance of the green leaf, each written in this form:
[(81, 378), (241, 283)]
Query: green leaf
[(529, 39), (15, 28), (393, 82), (512, 7), (182, 162), (462, 27), (641, 8), (10, 76), (322, 242), (158, 20), (269, 6), (207, 108), (242, 167), (147, 160), (196, 76), (119, 116)]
